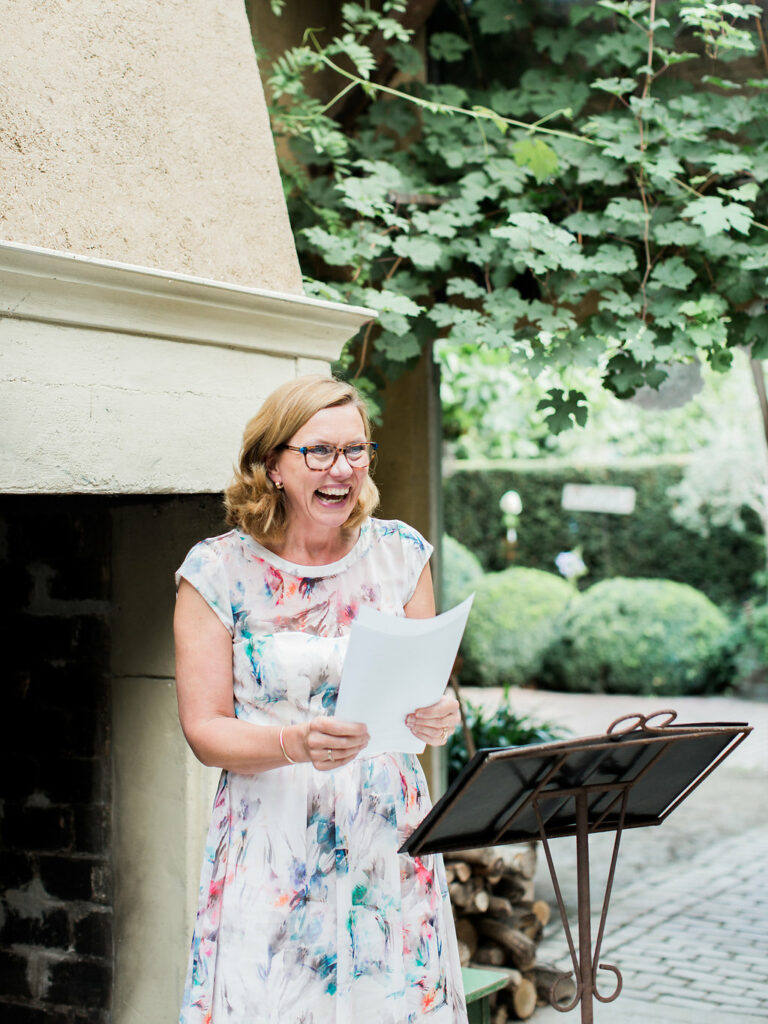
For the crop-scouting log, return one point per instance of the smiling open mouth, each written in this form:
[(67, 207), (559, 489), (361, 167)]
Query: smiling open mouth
[(333, 495)]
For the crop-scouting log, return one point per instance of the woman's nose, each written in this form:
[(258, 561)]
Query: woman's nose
[(341, 468)]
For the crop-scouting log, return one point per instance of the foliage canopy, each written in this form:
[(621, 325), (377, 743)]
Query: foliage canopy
[(578, 189)]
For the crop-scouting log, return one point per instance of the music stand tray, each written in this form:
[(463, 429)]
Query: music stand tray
[(634, 775)]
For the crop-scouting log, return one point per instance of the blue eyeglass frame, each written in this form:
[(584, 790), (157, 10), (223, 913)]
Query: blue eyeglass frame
[(304, 449)]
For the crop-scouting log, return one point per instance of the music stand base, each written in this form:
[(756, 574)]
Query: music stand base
[(586, 965)]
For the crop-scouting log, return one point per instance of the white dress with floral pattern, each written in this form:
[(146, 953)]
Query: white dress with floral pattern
[(308, 914)]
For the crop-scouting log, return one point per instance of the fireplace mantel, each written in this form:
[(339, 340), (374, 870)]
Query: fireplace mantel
[(122, 379)]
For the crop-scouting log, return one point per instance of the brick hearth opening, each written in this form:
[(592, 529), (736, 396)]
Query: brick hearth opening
[(56, 954)]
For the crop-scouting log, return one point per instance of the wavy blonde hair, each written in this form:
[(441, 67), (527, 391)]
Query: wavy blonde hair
[(252, 502)]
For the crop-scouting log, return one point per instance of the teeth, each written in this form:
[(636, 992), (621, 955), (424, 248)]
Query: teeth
[(334, 492)]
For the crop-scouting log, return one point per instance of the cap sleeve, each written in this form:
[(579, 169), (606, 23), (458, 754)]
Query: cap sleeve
[(416, 553), (204, 568)]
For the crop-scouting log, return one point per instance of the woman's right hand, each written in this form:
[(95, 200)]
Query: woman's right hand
[(330, 742)]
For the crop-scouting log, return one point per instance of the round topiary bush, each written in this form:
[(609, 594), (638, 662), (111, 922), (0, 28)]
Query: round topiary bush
[(511, 623), (461, 568), (644, 636)]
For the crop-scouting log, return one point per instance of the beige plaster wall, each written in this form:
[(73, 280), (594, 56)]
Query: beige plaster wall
[(137, 132)]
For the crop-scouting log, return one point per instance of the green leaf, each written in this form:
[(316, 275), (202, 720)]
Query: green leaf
[(538, 243), (442, 223), (407, 59), (624, 375), (615, 86), (337, 250), (361, 55), (629, 210), (639, 339), (612, 259), (540, 159), (496, 16), (705, 307), (565, 410), (728, 164), (447, 46), (677, 232), (714, 216), (664, 166), (422, 252), (399, 348), (466, 287), (384, 300), (672, 273), (558, 43), (747, 193)]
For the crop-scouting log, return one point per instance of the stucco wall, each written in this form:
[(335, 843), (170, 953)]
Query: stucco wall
[(137, 132)]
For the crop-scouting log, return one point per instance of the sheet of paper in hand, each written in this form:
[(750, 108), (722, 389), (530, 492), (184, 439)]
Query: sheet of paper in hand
[(393, 666)]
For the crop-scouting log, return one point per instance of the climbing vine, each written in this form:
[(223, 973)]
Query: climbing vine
[(581, 191)]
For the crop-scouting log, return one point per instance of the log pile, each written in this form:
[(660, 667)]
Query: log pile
[(499, 923)]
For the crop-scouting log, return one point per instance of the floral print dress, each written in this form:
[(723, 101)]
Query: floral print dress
[(307, 913)]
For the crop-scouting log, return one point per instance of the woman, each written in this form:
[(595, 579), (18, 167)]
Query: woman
[(307, 912)]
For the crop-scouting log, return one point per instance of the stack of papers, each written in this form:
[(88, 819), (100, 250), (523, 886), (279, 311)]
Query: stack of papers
[(393, 666)]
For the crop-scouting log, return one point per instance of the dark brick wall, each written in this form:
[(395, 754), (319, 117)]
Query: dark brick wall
[(56, 913)]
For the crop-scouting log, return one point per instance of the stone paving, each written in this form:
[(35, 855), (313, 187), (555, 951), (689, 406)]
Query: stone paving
[(691, 942), (688, 919)]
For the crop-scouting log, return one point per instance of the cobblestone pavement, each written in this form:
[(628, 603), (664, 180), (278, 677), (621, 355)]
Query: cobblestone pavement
[(688, 919), (691, 941)]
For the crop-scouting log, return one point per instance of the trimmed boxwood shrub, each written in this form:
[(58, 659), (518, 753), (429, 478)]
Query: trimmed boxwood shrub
[(639, 636), (510, 625), (460, 570), (648, 543)]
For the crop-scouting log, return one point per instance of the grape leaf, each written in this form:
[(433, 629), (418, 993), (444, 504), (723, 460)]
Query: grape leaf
[(447, 46), (672, 273), (565, 409), (422, 252), (540, 159), (713, 215)]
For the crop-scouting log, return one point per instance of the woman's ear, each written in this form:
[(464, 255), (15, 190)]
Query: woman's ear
[(272, 471)]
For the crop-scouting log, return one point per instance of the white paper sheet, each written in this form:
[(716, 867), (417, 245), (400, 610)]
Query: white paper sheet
[(393, 666)]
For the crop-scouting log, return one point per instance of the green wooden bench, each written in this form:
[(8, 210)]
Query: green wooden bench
[(479, 984)]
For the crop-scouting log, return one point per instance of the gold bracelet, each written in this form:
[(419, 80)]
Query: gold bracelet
[(286, 755)]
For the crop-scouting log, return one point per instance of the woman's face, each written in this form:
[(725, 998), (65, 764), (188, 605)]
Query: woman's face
[(322, 498)]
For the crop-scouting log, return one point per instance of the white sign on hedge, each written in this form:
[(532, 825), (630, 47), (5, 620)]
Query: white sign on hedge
[(599, 498)]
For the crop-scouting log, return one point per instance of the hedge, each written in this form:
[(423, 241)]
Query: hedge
[(461, 569), (639, 636), (646, 544), (511, 622)]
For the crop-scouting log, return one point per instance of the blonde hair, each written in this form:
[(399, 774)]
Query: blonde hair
[(252, 502)]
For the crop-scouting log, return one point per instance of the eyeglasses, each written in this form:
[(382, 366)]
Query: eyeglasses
[(323, 456)]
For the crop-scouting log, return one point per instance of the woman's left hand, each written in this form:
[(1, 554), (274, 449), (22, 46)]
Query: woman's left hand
[(434, 724)]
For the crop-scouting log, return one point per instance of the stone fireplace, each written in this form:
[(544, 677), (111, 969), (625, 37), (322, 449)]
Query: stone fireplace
[(150, 297)]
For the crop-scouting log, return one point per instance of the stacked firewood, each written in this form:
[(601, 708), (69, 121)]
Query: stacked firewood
[(499, 923)]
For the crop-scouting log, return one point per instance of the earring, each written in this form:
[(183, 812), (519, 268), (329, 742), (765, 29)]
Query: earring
[(278, 485)]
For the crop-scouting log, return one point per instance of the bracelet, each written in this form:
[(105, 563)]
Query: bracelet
[(286, 755)]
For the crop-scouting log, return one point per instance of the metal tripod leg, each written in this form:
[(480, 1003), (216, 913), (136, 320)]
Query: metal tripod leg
[(585, 967)]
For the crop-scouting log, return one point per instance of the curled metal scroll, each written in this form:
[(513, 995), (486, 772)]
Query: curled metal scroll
[(619, 983), (553, 1000), (642, 722)]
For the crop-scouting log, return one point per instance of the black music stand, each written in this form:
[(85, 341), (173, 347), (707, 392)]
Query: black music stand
[(634, 775)]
